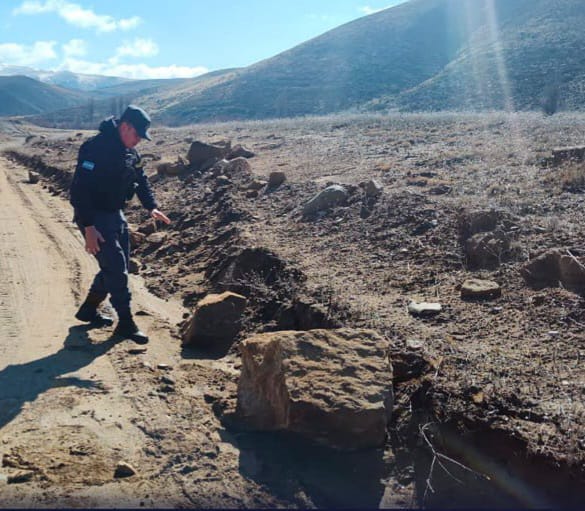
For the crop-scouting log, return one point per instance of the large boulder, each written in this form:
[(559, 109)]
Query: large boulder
[(200, 153), (216, 321), (333, 386), (332, 196), (554, 267)]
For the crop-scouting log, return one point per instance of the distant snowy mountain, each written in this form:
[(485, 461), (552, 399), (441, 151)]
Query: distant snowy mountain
[(67, 79)]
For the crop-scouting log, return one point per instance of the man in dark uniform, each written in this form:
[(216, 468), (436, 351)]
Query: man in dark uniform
[(109, 172)]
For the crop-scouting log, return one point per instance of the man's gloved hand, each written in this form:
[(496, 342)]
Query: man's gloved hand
[(93, 238), (159, 215)]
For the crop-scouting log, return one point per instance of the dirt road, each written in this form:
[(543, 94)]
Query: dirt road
[(76, 401)]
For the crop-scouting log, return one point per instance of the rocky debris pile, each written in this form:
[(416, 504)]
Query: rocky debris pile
[(202, 157), (216, 322), (486, 237), (555, 267), (333, 386)]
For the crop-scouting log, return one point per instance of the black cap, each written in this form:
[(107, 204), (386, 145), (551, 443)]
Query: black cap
[(139, 119)]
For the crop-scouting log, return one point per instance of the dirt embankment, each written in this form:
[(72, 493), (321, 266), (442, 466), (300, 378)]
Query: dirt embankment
[(496, 384)]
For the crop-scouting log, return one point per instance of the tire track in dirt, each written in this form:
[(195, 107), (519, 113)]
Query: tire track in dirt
[(62, 387)]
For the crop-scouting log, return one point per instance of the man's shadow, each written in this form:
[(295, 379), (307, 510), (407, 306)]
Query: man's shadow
[(23, 383)]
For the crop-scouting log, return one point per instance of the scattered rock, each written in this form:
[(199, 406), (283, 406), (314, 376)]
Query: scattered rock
[(219, 167), (156, 238), (477, 288), (167, 379), (334, 386), (137, 238), (22, 476), (171, 168), (163, 367), (256, 184), (147, 227), (33, 177), (333, 195), (238, 167), (441, 189), (137, 351), (373, 188), (124, 469), (134, 266), (276, 178), (414, 344), (240, 151), (216, 321), (222, 180), (252, 194), (424, 308), (200, 153)]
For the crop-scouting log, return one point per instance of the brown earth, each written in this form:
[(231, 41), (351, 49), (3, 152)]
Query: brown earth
[(497, 385)]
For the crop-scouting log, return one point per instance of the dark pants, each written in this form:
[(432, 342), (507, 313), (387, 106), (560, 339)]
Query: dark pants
[(112, 258)]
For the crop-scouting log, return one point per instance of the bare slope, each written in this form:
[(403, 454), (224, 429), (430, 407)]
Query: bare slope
[(20, 95)]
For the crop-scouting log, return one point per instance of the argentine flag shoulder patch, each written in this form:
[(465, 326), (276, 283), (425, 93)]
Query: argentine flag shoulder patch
[(88, 165)]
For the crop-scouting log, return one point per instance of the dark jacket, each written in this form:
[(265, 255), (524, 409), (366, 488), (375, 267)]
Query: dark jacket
[(107, 175)]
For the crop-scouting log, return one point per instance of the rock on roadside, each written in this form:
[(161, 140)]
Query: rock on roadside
[(333, 386), (477, 288), (332, 196), (216, 321)]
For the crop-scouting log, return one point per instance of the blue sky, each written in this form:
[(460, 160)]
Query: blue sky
[(154, 39)]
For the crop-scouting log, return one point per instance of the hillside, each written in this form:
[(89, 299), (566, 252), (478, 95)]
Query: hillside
[(422, 55), (20, 95), (536, 49), (76, 81)]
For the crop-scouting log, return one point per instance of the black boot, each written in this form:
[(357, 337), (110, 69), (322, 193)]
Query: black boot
[(129, 330), (88, 312)]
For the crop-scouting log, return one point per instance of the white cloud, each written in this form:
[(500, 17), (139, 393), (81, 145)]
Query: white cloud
[(366, 9), (23, 55), (136, 71), (75, 48), (76, 15), (137, 48)]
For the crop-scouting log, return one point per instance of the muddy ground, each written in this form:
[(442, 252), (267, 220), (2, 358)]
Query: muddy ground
[(489, 409)]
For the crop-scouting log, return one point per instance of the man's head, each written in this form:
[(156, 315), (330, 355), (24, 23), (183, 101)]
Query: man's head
[(134, 125)]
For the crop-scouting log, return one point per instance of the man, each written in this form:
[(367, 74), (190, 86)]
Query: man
[(109, 172)]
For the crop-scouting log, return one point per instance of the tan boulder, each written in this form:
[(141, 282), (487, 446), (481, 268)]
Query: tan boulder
[(553, 267), (216, 321), (276, 178), (478, 288), (200, 153), (334, 386)]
